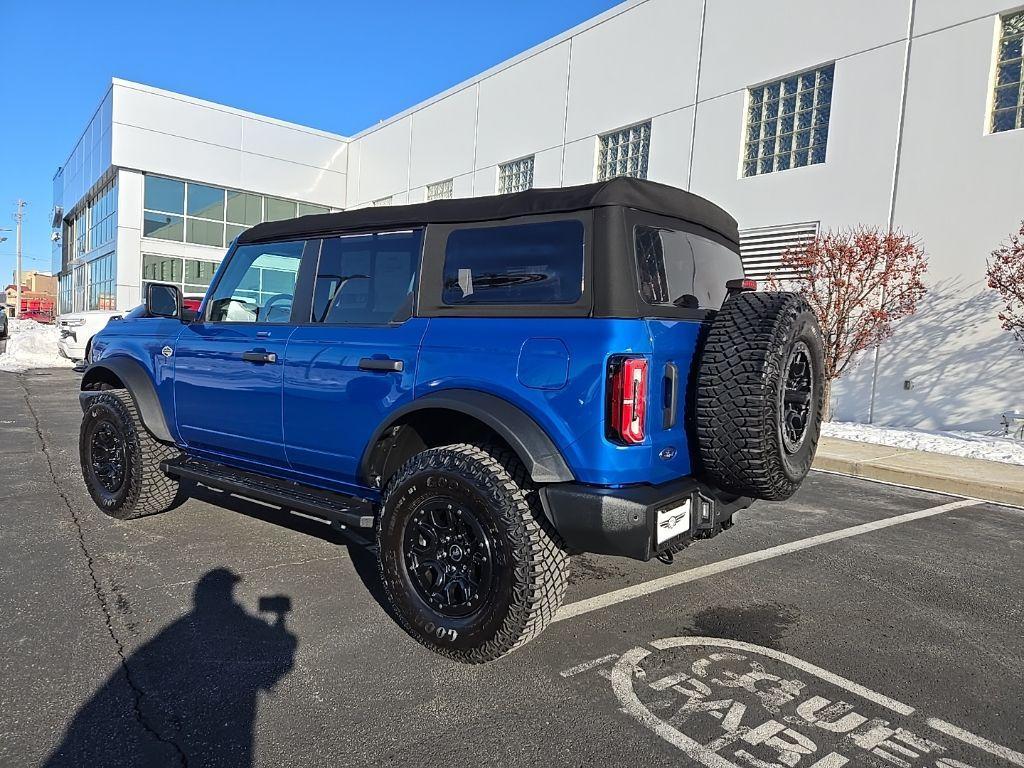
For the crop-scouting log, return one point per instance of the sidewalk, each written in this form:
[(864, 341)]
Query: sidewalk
[(989, 480)]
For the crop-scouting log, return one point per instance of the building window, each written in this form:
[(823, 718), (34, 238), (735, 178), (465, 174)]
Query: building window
[(201, 214), (65, 283), (787, 122), (192, 276), (441, 190), (381, 201), (1008, 104), (79, 233), (516, 176), (761, 249), (102, 293), (624, 153), (309, 209), (278, 209), (102, 221), (78, 300)]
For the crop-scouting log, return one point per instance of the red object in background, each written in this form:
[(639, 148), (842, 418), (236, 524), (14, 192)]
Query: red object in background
[(42, 309), (191, 304), (38, 315)]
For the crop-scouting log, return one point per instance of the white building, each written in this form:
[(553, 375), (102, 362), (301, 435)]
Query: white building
[(795, 116)]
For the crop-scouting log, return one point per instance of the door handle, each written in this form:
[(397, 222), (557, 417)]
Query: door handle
[(259, 356), (385, 365)]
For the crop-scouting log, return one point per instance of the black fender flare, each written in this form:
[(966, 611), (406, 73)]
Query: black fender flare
[(539, 454), (140, 386)]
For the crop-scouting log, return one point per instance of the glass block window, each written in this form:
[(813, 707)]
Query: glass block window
[(381, 201), (516, 176), (441, 190), (624, 153), (787, 122), (1008, 104)]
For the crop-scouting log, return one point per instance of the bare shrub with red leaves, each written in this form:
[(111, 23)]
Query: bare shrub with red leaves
[(858, 282), (1006, 275)]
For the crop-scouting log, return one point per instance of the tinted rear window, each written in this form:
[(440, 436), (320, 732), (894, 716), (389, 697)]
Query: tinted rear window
[(538, 263), (682, 269)]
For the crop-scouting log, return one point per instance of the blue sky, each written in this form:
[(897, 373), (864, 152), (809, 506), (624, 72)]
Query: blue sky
[(340, 66)]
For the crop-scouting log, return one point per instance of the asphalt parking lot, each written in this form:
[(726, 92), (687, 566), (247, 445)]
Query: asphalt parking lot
[(857, 624)]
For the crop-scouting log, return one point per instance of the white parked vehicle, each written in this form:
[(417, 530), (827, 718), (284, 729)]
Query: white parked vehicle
[(78, 328)]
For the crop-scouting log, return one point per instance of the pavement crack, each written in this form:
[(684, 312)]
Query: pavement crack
[(138, 694)]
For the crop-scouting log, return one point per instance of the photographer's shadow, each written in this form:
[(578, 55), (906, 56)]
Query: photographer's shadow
[(189, 695)]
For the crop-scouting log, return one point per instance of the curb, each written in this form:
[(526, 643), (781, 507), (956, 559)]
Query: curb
[(973, 478)]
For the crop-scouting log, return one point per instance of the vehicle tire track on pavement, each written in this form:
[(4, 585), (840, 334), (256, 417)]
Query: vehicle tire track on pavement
[(138, 694)]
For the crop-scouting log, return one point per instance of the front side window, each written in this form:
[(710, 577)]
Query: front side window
[(787, 122), (1008, 104), (258, 284), (624, 153), (539, 263), (681, 269), (366, 279)]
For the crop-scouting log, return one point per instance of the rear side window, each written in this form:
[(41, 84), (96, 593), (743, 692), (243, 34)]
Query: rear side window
[(366, 279), (681, 269), (540, 263)]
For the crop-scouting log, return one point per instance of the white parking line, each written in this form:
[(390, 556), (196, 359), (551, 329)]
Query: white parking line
[(684, 577), (975, 740)]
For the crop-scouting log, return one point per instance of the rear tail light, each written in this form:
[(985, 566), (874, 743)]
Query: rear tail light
[(740, 285), (627, 394)]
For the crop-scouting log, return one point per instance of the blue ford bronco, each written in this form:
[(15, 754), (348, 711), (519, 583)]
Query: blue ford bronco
[(488, 384)]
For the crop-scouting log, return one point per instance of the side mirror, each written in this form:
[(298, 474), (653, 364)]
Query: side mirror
[(163, 300)]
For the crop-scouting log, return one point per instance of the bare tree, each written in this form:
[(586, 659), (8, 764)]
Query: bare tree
[(858, 282), (1006, 275)]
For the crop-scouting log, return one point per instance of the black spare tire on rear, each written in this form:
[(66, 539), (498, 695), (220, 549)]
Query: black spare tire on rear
[(760, 395)]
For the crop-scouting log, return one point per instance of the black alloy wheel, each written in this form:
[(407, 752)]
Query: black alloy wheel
[(797, 397), (107, 456), (121, 459), (470, 565), (449, 556)]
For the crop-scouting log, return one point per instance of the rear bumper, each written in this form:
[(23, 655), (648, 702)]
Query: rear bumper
[(624, 521)]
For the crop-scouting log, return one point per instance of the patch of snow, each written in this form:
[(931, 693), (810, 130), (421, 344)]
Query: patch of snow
[(971, 445), (31, 345)]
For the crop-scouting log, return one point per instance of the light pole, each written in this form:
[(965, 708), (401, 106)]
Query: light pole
[(18, 216), (3, 239)]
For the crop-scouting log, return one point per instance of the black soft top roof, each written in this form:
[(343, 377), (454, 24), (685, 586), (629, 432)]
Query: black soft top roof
[(629, 193)]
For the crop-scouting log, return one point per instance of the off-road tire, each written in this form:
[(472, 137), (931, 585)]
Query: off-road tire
[(146, 490), (530, 565), (741, 378)]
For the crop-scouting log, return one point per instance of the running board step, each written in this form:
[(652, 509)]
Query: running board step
[(333, 508)]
